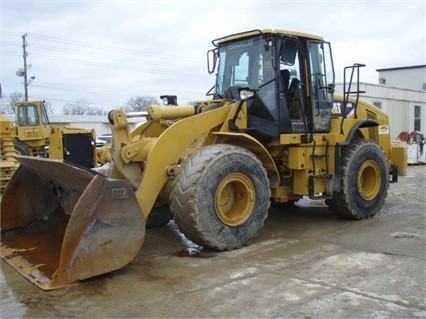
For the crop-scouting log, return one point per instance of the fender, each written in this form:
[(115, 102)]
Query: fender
[(168, 147), (248, 142), (338, 151), (361, 124)]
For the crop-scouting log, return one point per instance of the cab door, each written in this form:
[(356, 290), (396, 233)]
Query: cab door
[(321, 86)]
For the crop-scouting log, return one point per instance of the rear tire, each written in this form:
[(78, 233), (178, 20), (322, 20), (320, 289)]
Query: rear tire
[(220, 197), (364, 182)]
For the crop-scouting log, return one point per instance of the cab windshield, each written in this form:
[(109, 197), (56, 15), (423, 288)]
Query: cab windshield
[(240, 65), (27, 115)]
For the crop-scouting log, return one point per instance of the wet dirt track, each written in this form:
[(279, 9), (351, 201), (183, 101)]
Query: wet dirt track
[(305, 263)]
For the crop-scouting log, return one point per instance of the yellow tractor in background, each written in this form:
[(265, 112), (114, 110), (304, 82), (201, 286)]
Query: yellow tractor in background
[(34, 135), (8, 164), (272, 132)]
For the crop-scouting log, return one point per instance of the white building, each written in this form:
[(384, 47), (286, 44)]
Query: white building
[(401, 94), (410, 77)]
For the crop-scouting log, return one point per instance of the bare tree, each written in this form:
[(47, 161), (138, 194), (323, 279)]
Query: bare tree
[(81, 107), (16, 97), (7, 105), (49, 107), (78, 107), (139, 103)]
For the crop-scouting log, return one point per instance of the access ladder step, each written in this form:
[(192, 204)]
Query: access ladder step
[(319, 155), (311, 187)]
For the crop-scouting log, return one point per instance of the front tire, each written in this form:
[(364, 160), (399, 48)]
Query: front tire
[(220, 197), (160, 215), (20, 149), (364, 183)]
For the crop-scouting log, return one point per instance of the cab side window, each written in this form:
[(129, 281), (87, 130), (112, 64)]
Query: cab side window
[(27, 115)]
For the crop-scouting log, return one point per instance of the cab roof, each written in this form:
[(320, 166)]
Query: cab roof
[(250, 33)]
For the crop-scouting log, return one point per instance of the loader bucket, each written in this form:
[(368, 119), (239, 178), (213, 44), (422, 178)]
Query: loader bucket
[(61, 223)]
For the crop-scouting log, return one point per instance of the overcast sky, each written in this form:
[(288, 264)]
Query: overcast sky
[(108, 51)]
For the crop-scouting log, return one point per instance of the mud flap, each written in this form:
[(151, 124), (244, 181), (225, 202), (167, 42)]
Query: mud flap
[(61, 224)]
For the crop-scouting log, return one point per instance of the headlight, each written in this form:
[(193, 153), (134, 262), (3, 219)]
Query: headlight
[(246, 94)]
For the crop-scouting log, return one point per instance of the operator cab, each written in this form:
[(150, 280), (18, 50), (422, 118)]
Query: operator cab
[(30, 113), (291, 74), (32, 120)]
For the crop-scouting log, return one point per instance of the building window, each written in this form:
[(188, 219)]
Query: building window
[(417, 118)]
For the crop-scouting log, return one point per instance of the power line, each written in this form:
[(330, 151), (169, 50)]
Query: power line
[(151, 59), (146, 63), (106, 56), (117, 66), (87, 45), (75, 90), (130, 56)]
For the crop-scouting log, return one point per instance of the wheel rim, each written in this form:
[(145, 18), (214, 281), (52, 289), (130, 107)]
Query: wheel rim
[(234, 199), (369, 180)]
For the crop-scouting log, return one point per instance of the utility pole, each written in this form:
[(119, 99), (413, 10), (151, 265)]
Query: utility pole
[(24, 72), (24, 47)]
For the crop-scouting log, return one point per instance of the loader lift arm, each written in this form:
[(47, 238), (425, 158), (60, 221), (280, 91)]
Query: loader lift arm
[(160, 154)]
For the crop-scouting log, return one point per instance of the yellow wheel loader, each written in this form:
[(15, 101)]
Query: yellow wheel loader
[(272, 131), (34, 135)]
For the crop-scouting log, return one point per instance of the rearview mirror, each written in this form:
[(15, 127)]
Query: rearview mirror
[(288, 51), (212, 56)]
